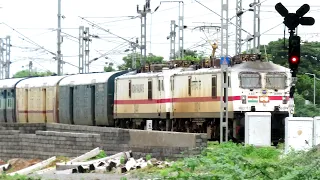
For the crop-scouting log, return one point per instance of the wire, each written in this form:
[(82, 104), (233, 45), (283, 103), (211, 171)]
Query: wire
[(95, 25), (119, 20), (107, 17), (223, 18), (34, 43), (271, 29)]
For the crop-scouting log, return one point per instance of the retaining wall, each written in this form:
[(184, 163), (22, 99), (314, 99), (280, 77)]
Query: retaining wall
[(45, 140)]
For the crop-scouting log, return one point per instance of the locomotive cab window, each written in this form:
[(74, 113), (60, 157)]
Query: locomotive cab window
[(276, 80), (250, 80), (150, 89), (214, 86)]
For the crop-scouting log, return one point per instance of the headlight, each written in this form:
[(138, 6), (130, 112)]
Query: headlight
[(284, 100), (244, 99)]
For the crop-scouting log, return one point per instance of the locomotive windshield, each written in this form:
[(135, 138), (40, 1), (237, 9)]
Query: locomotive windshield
[(276, 81), (250, 80)]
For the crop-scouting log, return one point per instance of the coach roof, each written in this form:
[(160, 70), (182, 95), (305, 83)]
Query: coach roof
[(9, 83), (40, 81), (83, 79)]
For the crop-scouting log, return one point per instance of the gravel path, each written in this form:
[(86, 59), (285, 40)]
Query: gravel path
[(84, 176)]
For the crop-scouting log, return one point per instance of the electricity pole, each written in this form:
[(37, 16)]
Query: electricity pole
[(1, 57), (238, 27), (8, 62), (181, 28), (59, 66), (172, 37), (224, 71), (5, 57), (256, 26), (86, 50), (81, 49), (30, 67), (143, 13), (134, 51)]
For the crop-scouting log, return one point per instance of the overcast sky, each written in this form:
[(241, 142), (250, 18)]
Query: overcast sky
[(37, 20)]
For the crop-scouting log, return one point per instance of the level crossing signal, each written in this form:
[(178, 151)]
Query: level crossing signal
[(292, 21), (294, 52)]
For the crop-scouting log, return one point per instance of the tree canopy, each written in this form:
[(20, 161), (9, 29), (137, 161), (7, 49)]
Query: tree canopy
[(27, 73), (128, 60), (108, 68)]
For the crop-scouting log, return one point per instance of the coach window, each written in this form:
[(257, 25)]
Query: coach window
[(229, 81), (159, 85), (189, 85), (214, 86), (129, 89), (149, 89)]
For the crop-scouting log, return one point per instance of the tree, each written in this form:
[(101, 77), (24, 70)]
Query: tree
[(128, 60), (108, 68), (191, 55), (26, 73)]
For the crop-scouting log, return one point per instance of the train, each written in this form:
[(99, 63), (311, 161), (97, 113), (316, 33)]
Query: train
[(175, 98)]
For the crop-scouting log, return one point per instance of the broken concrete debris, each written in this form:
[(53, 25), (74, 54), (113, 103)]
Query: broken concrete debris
[(118, 163)]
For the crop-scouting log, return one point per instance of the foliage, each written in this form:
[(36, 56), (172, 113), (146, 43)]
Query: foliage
[(16, 177), (101, 154), (148, 157), (26, 73), (108, 68), (232, 161), (190, 55), (128, 60)]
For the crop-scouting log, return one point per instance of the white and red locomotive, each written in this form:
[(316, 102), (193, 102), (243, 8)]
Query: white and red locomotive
[(188, 99)]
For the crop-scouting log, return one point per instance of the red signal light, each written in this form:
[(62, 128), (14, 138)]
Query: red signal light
[(294, 59)]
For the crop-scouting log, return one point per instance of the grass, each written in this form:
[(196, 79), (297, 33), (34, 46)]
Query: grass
[(232, 161), (17, 177)]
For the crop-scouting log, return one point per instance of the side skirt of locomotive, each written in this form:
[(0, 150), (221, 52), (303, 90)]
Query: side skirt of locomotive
[(211, 126)]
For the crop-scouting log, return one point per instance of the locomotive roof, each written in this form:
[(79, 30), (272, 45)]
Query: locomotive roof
[(150, 74), (82, 79), (40, 81), (259, 67), (245, 66), (9, 83)]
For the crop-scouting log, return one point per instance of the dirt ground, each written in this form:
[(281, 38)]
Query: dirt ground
[(18, 164), (86, 176)]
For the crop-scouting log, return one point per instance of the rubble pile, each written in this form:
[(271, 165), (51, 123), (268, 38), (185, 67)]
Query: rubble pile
[(118, 163)]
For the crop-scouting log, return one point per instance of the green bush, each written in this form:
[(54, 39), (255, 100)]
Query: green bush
[(232, 161)]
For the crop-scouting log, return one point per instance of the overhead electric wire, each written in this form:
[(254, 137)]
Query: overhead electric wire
[(101, 28), (121, 20), (34, 43), (224, 18)]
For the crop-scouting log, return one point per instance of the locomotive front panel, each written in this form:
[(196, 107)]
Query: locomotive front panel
[(264, 92)]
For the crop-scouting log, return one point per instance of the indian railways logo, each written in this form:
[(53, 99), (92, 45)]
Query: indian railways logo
[(299, 132)]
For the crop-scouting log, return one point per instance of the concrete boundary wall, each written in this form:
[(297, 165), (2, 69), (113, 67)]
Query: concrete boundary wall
[(45, 140)]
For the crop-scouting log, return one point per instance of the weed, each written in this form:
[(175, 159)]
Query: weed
[(233, 161), (148, 157), (17, 177), (101, 154)]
